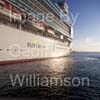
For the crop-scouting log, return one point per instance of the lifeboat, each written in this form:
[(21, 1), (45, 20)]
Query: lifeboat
[(2, 3), (50, 30), (9, 10), (38, 24)]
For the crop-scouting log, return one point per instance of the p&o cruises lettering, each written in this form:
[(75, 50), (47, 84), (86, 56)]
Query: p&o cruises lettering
[(35, 45)]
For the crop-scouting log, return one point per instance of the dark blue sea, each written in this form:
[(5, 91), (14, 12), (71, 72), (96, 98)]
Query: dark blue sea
[(77, 65)]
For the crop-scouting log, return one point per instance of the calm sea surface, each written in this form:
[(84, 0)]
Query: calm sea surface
[(80, 65)]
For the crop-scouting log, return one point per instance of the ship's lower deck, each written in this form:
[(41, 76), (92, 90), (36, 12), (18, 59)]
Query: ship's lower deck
[(18, 45)]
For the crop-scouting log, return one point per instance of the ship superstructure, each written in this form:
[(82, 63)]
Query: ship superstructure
[(34, 29)]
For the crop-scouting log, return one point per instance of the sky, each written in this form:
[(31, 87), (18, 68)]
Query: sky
[(87, 26)]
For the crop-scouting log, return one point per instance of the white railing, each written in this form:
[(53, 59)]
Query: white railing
[(62, 27)]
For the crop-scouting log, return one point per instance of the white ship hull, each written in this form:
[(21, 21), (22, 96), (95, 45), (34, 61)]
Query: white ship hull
[(17, 45)]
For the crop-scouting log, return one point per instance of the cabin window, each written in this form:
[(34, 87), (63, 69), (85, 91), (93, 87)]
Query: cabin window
[(69, 44), (0, 49)]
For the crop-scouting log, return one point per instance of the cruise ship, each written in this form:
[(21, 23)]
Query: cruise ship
[(34, 29)]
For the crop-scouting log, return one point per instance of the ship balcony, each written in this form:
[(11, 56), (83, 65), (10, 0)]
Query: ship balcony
[(53, 7), (27, 6)]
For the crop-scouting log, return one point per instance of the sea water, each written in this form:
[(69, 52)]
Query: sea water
[(76, 77)]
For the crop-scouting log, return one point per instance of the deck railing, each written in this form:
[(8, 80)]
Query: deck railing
[(35, 6)]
